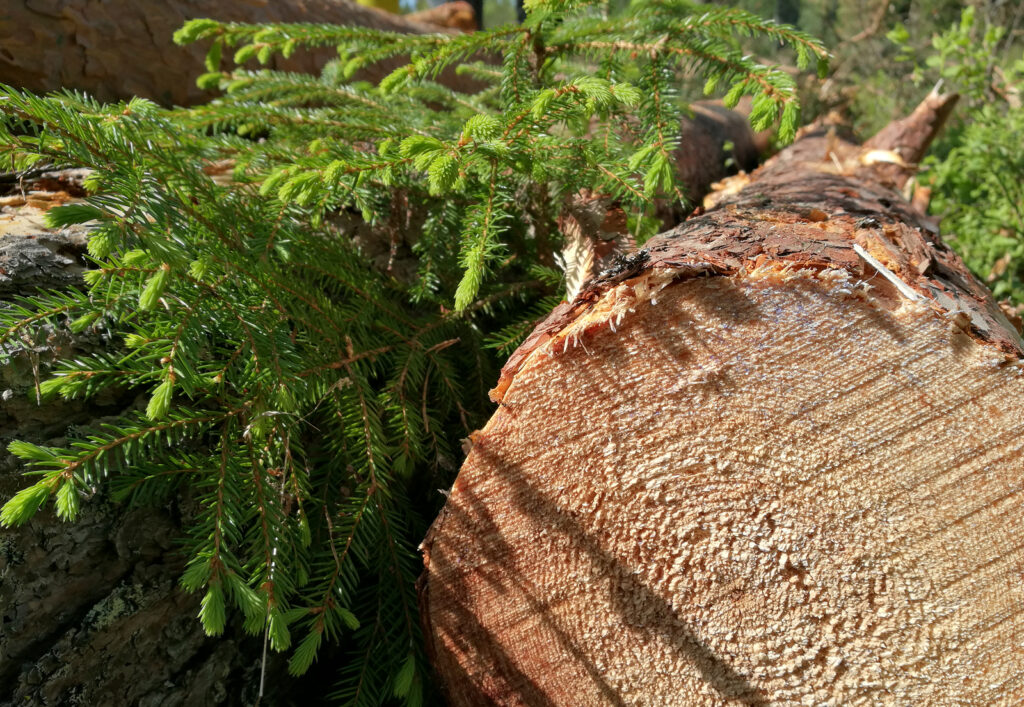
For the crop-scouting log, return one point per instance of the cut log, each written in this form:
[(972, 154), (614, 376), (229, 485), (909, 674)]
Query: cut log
[(777, 457), (116, 49)]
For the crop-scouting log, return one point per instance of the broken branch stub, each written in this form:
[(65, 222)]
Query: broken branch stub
[(776, 458)]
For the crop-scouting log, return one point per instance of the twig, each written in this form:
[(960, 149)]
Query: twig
[(872, 29), (887, 274)]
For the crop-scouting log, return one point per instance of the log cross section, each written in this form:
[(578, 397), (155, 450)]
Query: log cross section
[(755, 464)]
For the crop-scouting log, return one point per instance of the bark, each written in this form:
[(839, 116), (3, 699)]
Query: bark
[(774, 457), (715, 142), (702, 158), (452, 15), (116, 49)]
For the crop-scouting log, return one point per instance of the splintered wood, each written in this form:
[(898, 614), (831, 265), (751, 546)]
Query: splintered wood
[(788, 489)]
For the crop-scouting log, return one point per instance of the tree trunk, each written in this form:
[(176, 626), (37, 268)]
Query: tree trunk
[(116, 49), (776, 458), (716, 142)]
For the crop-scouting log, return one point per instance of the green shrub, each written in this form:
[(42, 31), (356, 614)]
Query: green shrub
[(976, 170)]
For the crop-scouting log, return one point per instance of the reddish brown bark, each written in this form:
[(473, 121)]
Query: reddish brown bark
[(702, 158), (452, 15), (714, 142), (801, 209), (116, 49)]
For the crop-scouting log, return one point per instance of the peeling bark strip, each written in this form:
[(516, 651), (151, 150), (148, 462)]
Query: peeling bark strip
[(775, 457)]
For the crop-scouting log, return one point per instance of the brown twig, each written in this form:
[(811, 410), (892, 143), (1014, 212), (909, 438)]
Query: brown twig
[(872, 29)]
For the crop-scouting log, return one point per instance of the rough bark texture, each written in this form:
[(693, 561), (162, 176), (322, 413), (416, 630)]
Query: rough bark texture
[(806, 207), (116, 49), (750, 466), (91, 611)]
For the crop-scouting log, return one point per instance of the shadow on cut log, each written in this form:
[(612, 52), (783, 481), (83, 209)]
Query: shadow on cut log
[(776, 458)]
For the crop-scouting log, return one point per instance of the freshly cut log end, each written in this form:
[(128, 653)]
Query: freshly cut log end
[(776, 457), (783, 488)]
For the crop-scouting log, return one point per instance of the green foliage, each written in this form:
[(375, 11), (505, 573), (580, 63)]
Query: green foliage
[(309, 400), (978, 188), (978, 174), (965, 56)]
